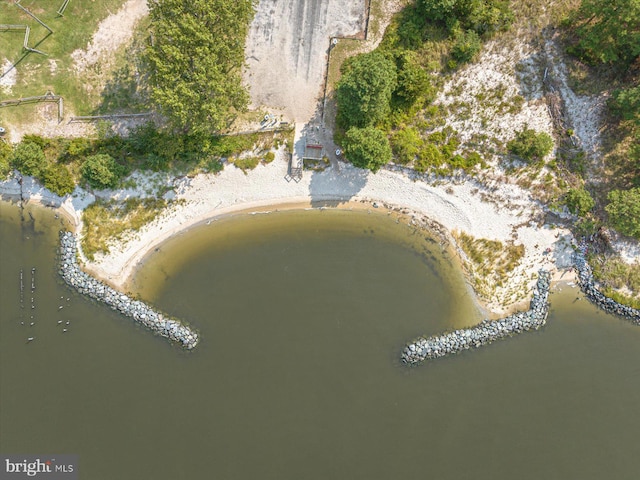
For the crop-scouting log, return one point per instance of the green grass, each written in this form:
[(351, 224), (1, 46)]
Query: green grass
[(70, 32), (105, 222), (489, 261)]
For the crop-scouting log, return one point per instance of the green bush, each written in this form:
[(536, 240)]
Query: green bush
[(579, 201), (367, 148), (58, 179), (481, 16), (466, 45), (101, 171), (78, 147), (624, 211), (29, 159), (406, 145), (248, 163), (430, 156), (530, 145), (5, 159), (269, 157)]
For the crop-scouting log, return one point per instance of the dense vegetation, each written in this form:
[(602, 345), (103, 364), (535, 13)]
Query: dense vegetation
[(60, 164), (195, 59), (606, 35), (389, 88)]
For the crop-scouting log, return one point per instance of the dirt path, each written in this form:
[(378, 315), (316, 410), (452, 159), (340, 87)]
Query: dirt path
[(287, 50)]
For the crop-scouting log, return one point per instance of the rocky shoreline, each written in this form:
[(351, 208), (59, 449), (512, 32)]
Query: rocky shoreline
[(486, 332), (139, 311), (588, 287)]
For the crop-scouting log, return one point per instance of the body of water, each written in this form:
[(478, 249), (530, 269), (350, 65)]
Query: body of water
[(303, 316)]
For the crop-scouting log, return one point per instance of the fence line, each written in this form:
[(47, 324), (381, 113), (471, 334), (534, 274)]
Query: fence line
[(47, 97), (33, 16), (62, 8)]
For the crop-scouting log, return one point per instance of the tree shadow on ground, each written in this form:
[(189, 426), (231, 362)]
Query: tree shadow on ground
[(339, 182)]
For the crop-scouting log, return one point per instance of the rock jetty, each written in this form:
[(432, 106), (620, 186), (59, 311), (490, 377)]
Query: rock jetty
[(139, 311), (588, 287), (486, 332)]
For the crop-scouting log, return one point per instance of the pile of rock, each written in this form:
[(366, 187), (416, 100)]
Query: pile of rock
[(139, 311), (486, 332), (587, 285)]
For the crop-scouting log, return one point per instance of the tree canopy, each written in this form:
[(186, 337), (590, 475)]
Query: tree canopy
[(195, 60), (608, 31), (624, 211), (367, 148), (365, 89), (480, 16), (579, 201), (29, 158), (101, 171)]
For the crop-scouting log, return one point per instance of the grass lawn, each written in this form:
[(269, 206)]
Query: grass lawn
[(36, 73)]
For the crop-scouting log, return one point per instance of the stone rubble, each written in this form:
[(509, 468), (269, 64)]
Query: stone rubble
[(139, 311), (486, 332), (588, 287)]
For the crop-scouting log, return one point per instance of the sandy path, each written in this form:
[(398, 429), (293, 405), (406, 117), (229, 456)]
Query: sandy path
[(286, 51)]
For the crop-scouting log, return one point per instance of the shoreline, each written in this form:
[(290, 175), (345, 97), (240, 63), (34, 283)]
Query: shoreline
[(505, 213)]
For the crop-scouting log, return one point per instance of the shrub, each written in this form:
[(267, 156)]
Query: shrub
[(624, 211), (29, 159), (5, 159), (269, 157), (466, 44), (58, 179), (579, 201), (101, 171), (367, 148), (530, 145), (406, 144), (245, 164), (78, 146), (430, 156)]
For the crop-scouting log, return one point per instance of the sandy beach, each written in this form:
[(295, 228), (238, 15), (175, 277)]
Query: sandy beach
[(497, 212)]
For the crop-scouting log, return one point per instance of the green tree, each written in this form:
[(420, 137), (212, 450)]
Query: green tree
[(530, 145), (624, 211), (29, 159), (579, 201), (101, 171), (58, 179), (608, 31), (364, 91), (413, 83), (195, 61), (367, 148), (481, 16), (626, 104)]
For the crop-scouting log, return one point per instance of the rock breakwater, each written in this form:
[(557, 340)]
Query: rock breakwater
[(139, 311), (486, 332), (588, 287)]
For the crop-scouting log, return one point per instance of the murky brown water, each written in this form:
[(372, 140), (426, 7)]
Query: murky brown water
[(303, 316)]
